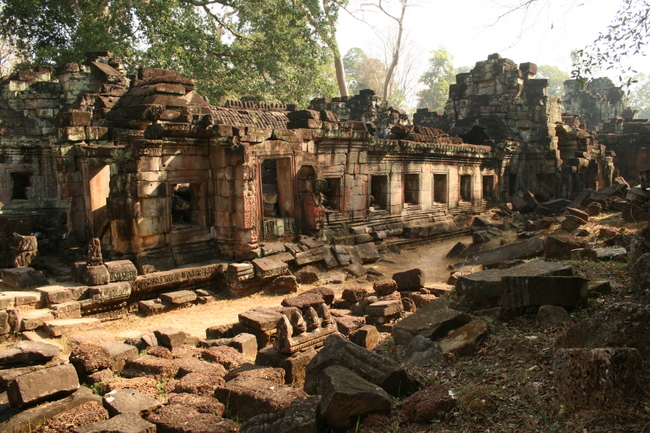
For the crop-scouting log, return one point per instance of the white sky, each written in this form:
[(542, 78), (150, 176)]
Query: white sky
[(470, 30)]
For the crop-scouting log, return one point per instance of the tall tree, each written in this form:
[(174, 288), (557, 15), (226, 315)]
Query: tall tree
[(436, 80), (640, 95), (231, 47)]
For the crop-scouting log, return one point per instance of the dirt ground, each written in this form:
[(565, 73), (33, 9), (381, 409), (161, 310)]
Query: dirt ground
[(429, 256)]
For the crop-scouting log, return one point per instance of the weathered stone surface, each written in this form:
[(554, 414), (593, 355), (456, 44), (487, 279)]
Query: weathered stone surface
[(373, 367), (28, 353), (159, 351), (33, 319), (354, 294), (57, 328), (263, 319), (571, 223), (559, 249), (183, 419), (609, 253), (385, 287), (121, 270), (525, 249), (432, 321), (345, 397), (487, 284), (198, 384), (200, 403), (224, 355), (367, 337), (368, 252), (543, 290), (356, 269), (411, 280), (465, 340), (31, 388), (23, 278), (299, 417), (189, 365), (269, 267), (595, 378), (326, 292), (274, 374), (436, 402), (384, 308), (170, 337), (66, 310), (248, 396), (89, 358), (304, 301), (126, 423), (178, 297), (149, 366), (552, 315), (283, 284), (457, 250), (95, 275), (119, 353), (640, 272), (463, 270), (121, 401), (422, 352), (294, 365), (152, 307)]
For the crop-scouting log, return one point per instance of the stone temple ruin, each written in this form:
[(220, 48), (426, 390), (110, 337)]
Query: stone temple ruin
[(157, 200)]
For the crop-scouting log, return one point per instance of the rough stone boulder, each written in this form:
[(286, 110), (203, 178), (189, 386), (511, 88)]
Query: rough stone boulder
[(224, 355), (184, 419), (371, 366), (530, 291), (385, 287), (433, 321), (200, 403), (436, 402), (640, 272), (422, 352), (187, 365), (197, 383), (354, 294), (596, 378), (552, 315), (149, 366), (300, 417), (250, 396), (170, 337), (346, 397)]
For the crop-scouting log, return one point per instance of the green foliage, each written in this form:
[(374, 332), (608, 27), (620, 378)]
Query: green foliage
[(626, 36), (556, 78), (640, 95), (363, 72), (275, 50), (436, 80)]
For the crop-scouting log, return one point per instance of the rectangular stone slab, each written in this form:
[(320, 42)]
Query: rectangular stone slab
[(517, 250), (519, 292), (43, 384)]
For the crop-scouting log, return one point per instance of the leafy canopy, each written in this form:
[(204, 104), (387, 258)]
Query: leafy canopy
[(276, 50)]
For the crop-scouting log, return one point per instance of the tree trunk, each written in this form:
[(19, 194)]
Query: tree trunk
[(396, 50), (340, 74)]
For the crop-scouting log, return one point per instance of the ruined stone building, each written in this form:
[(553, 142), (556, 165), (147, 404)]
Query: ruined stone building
[(161, 177)]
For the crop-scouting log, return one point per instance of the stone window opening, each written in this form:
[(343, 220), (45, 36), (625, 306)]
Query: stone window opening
[(440, 188), (182, 204), (270, 188), (333, 193), (466, 187), (488, 187), (20, 182), (411, 189), (379, 192), (512, 183)]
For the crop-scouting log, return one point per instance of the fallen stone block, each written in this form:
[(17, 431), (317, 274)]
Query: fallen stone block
[(260, 318), (89, 358), (571, 223), (346, 397), (436, 402), (552, 315), (274, 374), (525, 249), (385, 308), (371, 366), (385, 287), (422, 352), (149, 366), (49, 383), (95, 275), (610, 253), (368, 252), (176, 418), (224, 355), (188, 365), (178, 297), (198, 384), (522, 291), (23, 278), (170, 337), (28, 353), (595, 379), (121, 270), (486, 285), (294, 365), (119, 353), (152, 307), (60, 327), (125, 423), (200, 403), (33, 319), (122, 401), (304, 301), (248, 396), (367, 337), (300, 416), (310, 256), (559, 249), (356, 270), (433, 321), (66, 310), (269, 267), (411, 280), (465, 340)]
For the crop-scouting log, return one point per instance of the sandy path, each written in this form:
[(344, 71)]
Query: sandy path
[(428, 256)]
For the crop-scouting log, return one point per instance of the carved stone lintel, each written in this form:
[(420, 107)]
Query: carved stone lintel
[(319, 326)]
